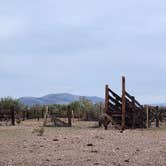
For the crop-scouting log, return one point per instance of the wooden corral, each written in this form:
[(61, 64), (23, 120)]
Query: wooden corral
[(126, 111), (58, 122)]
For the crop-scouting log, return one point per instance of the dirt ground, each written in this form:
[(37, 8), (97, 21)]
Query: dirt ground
[(81, 145)]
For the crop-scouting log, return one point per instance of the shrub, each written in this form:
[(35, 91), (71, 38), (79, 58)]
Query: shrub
[(39, 131)]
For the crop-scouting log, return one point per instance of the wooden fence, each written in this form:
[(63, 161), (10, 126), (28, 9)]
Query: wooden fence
[(125, 110), (8, 115)]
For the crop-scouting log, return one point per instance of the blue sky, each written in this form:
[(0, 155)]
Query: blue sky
[(78, 46)]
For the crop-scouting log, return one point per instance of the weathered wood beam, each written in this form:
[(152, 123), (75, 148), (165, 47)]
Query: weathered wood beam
[(69, 116), (133, 112), (113, 108), (116, 102), (147, 116), (13, 116), (123, 103), (115, 95), (131, 97), (157, 116), (128, 95), (106, 98)]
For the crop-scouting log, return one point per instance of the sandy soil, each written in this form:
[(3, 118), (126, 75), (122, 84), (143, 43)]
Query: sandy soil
[(81, 145)]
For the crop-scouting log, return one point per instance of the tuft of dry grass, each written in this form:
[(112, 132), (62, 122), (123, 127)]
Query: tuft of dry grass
[(39, 131)]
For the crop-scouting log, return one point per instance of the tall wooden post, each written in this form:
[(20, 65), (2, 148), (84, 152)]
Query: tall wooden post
[(12, 115), (72, 112), (69, 116), (133, 112), (23, 115), (123, 103), (42, 113), (106, 98), (157, 116), (147, 116), (45, 117)]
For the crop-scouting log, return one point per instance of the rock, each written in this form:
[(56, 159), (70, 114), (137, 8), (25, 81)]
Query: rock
[(89, 144), (94, 151), (127, 161), (31, 151), (99, 137)]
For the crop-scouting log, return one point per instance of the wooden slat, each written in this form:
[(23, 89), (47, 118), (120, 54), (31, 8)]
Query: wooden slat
[(116, 102), (138, 104), (128, 95), (113, 109), (131, 97), (115, 95)]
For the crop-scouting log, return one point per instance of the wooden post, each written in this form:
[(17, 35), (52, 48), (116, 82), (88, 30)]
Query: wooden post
[(69, 116), (116, 104), (12, 115), (72, 115), (133, 112), (42, 113), (79, 114), (147, 116), (157, 116), (123, 103), (100, 109), (27, 113), (23, 116), (45, 117), (106, 98)]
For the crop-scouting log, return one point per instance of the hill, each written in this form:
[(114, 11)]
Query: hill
[(60, 98)]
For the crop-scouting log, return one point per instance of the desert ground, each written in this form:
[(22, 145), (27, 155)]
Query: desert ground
[(81, 145)]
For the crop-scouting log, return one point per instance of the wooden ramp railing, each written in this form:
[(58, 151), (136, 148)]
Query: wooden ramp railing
[(125, 110)]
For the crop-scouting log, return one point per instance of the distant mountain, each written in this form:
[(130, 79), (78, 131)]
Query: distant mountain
[(160, 104), (60, 98)]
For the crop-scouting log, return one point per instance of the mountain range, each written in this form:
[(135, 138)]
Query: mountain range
[(159, 104), (60, 98)]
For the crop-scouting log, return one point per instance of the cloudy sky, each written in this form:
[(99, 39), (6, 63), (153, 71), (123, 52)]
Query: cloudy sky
[(77, 46)]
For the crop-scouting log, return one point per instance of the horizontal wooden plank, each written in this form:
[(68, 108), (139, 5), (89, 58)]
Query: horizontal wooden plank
[(115, 95), (116, 102), (113, 108), (138, 104), (129, 96)]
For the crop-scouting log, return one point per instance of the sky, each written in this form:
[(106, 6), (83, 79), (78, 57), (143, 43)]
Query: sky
[(78, 46)]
